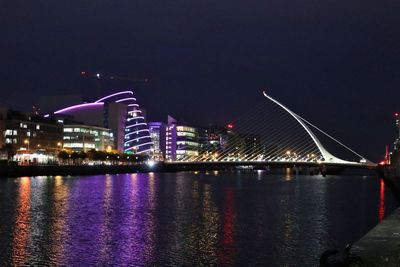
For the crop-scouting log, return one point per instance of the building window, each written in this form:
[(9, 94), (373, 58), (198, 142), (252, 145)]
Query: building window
[(74, 145), (28, 134), (8, 141), (15, 132), (8, 132), (37, 127)]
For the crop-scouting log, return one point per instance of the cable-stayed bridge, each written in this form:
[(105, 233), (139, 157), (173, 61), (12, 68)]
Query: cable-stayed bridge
[(272, 134)]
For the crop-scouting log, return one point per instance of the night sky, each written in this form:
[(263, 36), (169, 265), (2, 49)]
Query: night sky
[(336, 63)]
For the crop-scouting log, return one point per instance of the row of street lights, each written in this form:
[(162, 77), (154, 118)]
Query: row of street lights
[(27, 142)]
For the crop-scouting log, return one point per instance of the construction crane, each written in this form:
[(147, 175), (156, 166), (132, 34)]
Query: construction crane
[(101, 79), (99, 76)]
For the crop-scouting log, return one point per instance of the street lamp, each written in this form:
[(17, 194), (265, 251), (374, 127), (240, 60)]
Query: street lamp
[(27, 142)]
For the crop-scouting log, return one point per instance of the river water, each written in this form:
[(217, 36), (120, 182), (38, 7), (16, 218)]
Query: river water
[(185, 219)]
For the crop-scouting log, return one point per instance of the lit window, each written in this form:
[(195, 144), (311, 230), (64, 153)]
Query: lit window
[(74, 145), (37, 127), (89, 145)]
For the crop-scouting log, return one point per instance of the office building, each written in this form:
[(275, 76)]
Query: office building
[(182, 141), (397, 125), (31, 133), (158, 136), (84, 138)]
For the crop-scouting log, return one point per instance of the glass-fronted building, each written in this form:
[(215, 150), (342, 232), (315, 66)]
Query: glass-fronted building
[(187, 144), (158, 136), (84, 138), (182, 142)]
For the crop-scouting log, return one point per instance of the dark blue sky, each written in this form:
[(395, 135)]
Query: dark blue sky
[(334, 62)]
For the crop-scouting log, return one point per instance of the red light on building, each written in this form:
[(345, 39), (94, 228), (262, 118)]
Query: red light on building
[(229, 126), (396, 114), (383, 162), (83, 73)]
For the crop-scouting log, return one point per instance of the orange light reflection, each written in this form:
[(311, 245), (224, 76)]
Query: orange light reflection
[(21, 230)]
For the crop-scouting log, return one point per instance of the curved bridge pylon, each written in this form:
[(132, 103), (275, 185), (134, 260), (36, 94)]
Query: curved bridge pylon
[(327, 156)]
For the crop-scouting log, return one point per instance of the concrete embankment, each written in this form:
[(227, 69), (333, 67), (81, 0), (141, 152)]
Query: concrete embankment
[(63, 170), (19, 171), (380, 246), (52, 170)]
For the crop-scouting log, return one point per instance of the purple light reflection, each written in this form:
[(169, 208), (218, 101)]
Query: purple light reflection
[(134, 223), (85, 220)]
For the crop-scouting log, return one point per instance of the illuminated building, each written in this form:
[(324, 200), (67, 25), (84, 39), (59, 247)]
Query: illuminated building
[(212, 138), (397, 140), (84, 138), (118, 112), (32, 133), (181, 142), (29, 139), (3, 116), (158, 136), (187, 144)]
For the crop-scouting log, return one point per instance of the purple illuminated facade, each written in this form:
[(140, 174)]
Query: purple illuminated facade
[(119, 112), (158, 136), (79, 107)]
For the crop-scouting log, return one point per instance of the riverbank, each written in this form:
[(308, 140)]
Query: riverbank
[(381, 245), (63, 170)]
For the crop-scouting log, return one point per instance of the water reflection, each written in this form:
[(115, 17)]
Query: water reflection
[(209, 228), (288, 174), (381, 211), (226, 254), (184, 219), (22, 221), (105, 238)]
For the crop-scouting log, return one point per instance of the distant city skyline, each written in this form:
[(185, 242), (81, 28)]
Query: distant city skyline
[(334, 63)]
